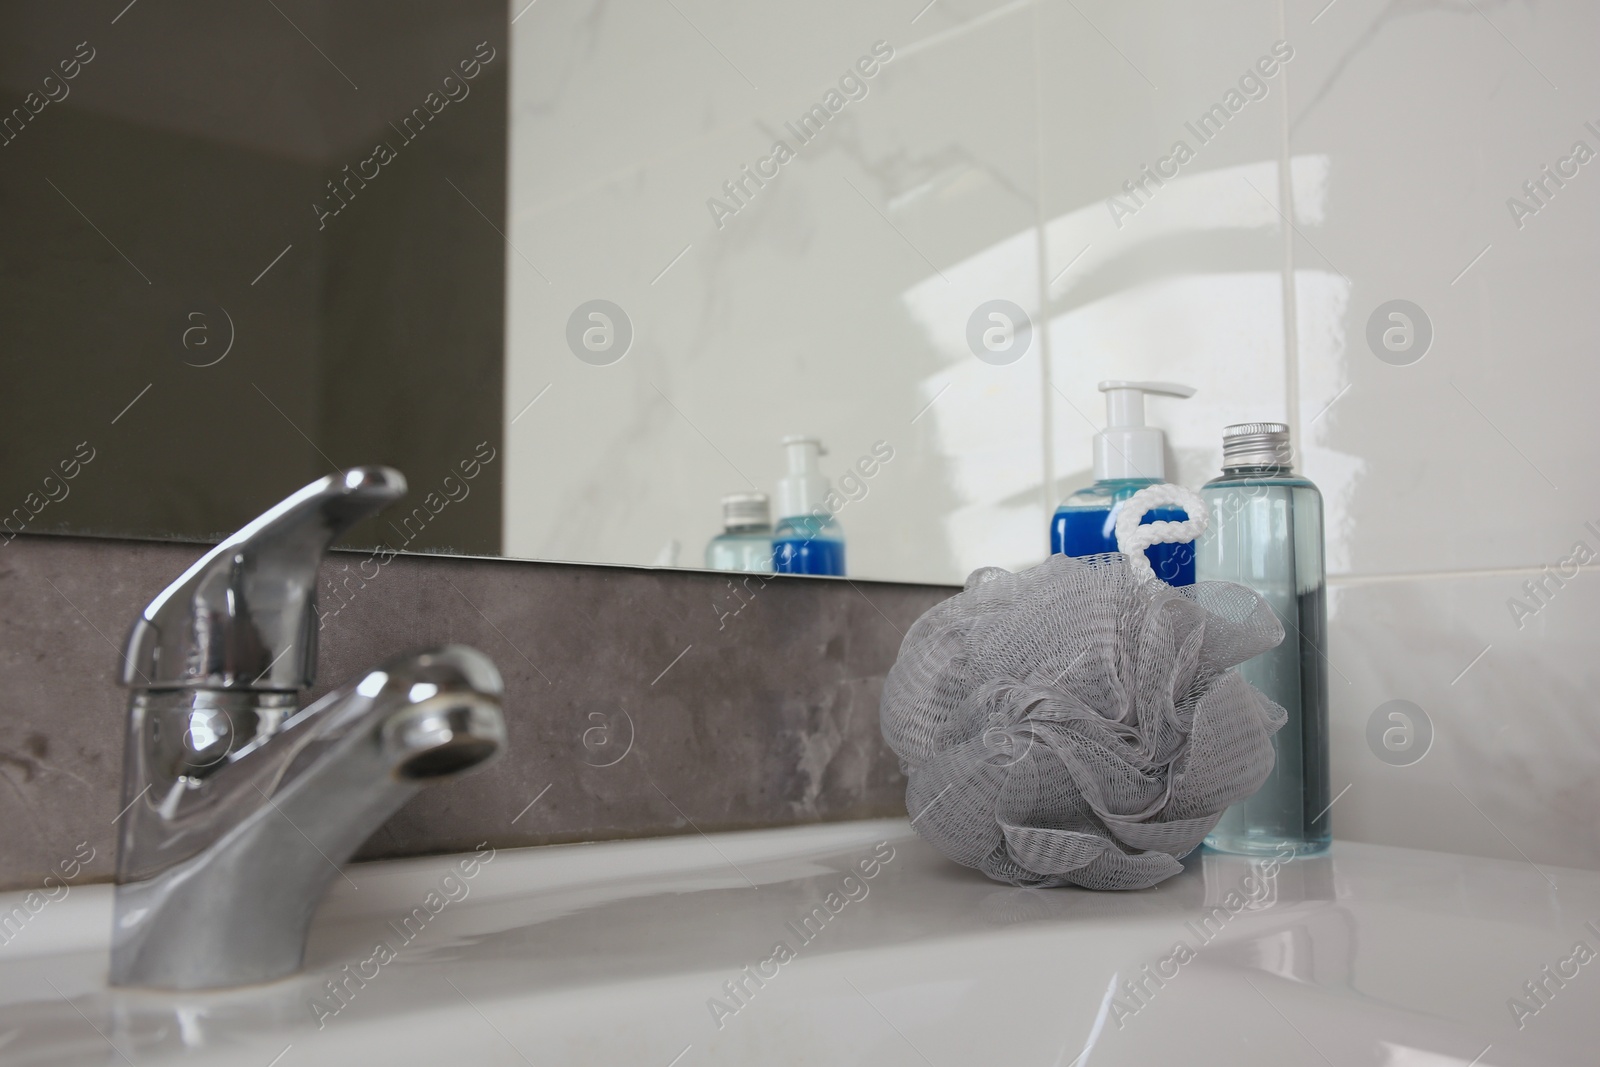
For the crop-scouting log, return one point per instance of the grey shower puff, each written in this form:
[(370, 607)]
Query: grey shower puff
[(1072, 725)]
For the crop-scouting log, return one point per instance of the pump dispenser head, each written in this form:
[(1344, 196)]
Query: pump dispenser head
[(1127, 448), (803, 488)]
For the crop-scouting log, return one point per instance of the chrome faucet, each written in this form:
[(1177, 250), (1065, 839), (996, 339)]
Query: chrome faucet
[(240, 804)]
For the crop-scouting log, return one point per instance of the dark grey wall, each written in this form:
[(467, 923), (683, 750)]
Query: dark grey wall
[(184, 157), (414, 316), (710, 719)]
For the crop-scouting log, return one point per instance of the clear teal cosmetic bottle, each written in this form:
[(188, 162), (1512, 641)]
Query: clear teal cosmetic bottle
[(1266, 533)]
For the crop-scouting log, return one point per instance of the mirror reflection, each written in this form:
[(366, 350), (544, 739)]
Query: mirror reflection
[(827, 290)]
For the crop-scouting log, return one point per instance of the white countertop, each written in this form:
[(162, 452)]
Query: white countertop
[(622, 952)]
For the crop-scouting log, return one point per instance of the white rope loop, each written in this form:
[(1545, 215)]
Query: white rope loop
[(1133, 538)]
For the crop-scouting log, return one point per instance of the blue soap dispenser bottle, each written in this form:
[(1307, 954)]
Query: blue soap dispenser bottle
[(1128, 456), (807, 539)]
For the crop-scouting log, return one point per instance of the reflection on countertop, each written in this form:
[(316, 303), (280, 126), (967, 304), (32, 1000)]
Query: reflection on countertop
[(857, 943)]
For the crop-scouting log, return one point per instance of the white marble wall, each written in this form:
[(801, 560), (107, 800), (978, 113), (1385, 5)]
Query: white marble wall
[(977, 166), (1458, 478)]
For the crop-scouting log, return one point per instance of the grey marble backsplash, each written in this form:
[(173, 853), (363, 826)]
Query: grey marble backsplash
[(639, 702)]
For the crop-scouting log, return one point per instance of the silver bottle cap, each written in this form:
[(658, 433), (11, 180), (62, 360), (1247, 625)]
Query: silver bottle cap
[(1256, 444), (741, 511)]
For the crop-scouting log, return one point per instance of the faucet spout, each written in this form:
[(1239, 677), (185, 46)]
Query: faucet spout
[(240, 805), (290, 813)]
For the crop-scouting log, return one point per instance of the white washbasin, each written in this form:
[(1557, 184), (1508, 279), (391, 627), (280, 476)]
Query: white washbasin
[(618, 953)]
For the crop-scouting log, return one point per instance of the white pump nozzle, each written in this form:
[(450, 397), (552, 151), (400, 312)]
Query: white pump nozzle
[(803, 488), (1127, 448)]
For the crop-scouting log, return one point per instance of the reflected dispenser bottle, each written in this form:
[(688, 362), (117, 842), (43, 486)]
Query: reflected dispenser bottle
[(807, 540), (1128, 455), (745, 543), (1266, 533)]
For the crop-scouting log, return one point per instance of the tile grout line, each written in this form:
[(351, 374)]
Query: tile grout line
[(1291, 307), (1422, 576), (1047, 429)]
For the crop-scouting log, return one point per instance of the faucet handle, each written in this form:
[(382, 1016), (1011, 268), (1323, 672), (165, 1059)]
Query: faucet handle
[(243, 617)]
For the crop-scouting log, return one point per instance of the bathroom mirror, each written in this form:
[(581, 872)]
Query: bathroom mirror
[(578, 269)]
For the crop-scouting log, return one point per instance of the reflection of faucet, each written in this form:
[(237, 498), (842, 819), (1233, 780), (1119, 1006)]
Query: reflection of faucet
[(240, 805)]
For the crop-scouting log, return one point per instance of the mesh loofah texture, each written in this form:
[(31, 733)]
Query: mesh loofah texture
[(1073, 725)]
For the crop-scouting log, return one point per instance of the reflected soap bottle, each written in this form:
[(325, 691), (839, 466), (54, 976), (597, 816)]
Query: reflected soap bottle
[(1266, 533), (807, 540), (745, 543)]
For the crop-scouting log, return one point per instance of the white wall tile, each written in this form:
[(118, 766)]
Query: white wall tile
[(1188, 287), (1515, 733), (1432, 117)]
